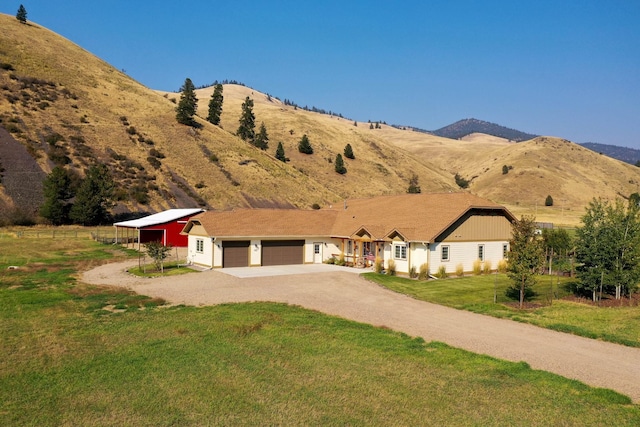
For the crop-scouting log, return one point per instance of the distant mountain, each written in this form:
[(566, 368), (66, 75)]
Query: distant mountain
[(466, 127), (629, 155)]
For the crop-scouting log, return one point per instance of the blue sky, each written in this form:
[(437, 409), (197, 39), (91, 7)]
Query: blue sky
[(563, 68)]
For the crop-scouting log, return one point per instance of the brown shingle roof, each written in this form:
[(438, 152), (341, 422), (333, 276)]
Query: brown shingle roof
[(242, 223), (417, 217)]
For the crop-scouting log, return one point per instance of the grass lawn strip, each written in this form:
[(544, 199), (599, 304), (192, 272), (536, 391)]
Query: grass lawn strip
[(620, 325)]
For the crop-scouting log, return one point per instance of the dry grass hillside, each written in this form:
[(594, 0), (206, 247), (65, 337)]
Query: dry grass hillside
[(67, 107), (70, 108), (570, 173)]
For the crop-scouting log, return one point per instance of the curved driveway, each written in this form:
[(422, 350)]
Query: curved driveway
[(341, 293)]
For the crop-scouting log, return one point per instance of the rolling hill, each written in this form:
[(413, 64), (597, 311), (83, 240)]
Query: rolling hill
[(61, 105), (465, 127), (68, 107)]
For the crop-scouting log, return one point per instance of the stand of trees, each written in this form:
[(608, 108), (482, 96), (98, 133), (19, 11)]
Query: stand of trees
[(92, 199), (608, 249)]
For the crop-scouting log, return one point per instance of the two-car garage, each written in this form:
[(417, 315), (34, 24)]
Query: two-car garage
[(274, 252)]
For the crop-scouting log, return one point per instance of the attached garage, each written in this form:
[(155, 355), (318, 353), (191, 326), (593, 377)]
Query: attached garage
[(282, 252), (235, 254)]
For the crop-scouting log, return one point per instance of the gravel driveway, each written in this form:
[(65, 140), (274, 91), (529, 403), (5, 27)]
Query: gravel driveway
[(347, 295)]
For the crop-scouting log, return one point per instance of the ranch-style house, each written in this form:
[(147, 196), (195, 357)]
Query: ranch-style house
[(441, 229)]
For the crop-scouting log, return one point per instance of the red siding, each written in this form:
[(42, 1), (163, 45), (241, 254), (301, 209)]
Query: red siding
[(171, 231)]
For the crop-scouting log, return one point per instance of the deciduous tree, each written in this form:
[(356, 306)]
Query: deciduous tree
[(608, 248), (188, 104), (158, 253), (247, 127), (215, 105), (525, 258), (414, 188)]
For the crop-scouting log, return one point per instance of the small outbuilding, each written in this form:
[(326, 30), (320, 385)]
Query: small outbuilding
[(163, 227)]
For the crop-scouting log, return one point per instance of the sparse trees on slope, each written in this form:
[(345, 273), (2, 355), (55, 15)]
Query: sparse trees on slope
[(57, 193), (188, 104), (304, 146), (215, 105), (525, 258), (21, 15), (348, 152), (94, 198), (262, 138), (339, 165), (280, 153), (247, 127)]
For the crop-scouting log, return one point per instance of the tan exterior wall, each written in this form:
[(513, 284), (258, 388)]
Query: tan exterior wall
[(479, 228)]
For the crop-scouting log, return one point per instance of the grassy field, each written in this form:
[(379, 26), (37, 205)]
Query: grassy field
[(74, 354), (476, 293)]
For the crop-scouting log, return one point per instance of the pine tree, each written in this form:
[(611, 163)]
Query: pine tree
[(57, 193), (280, 153), (94, 198), (188, 104), (22, 15), (215, 105), (304, 146), (246, 130), (339, 165), (348, 152), (262, 139), (548, 201)]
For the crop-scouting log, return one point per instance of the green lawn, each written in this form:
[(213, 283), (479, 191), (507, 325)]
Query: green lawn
[(74, 354), (476, 293)]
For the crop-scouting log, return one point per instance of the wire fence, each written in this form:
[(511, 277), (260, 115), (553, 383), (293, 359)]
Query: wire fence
[(101, 234)]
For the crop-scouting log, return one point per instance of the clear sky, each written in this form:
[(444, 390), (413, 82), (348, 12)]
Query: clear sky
[(567, 68)]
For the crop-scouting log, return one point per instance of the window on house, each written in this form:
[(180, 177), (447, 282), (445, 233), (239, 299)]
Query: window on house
[(444, 256), (400, 251), (349, 246), (481, 252), (199, 246), (505, 250)]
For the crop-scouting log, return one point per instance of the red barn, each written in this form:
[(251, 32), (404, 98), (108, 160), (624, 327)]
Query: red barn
[(163, 227)]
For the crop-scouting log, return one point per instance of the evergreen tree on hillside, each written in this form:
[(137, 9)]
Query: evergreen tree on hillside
[(548, 201), (247, 127), (215, 105), (304, 146), (262, 139), (339, 165), (280, 153), (22, 14), (348, 152), (188, 104), (57, 193), (94, 198)]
